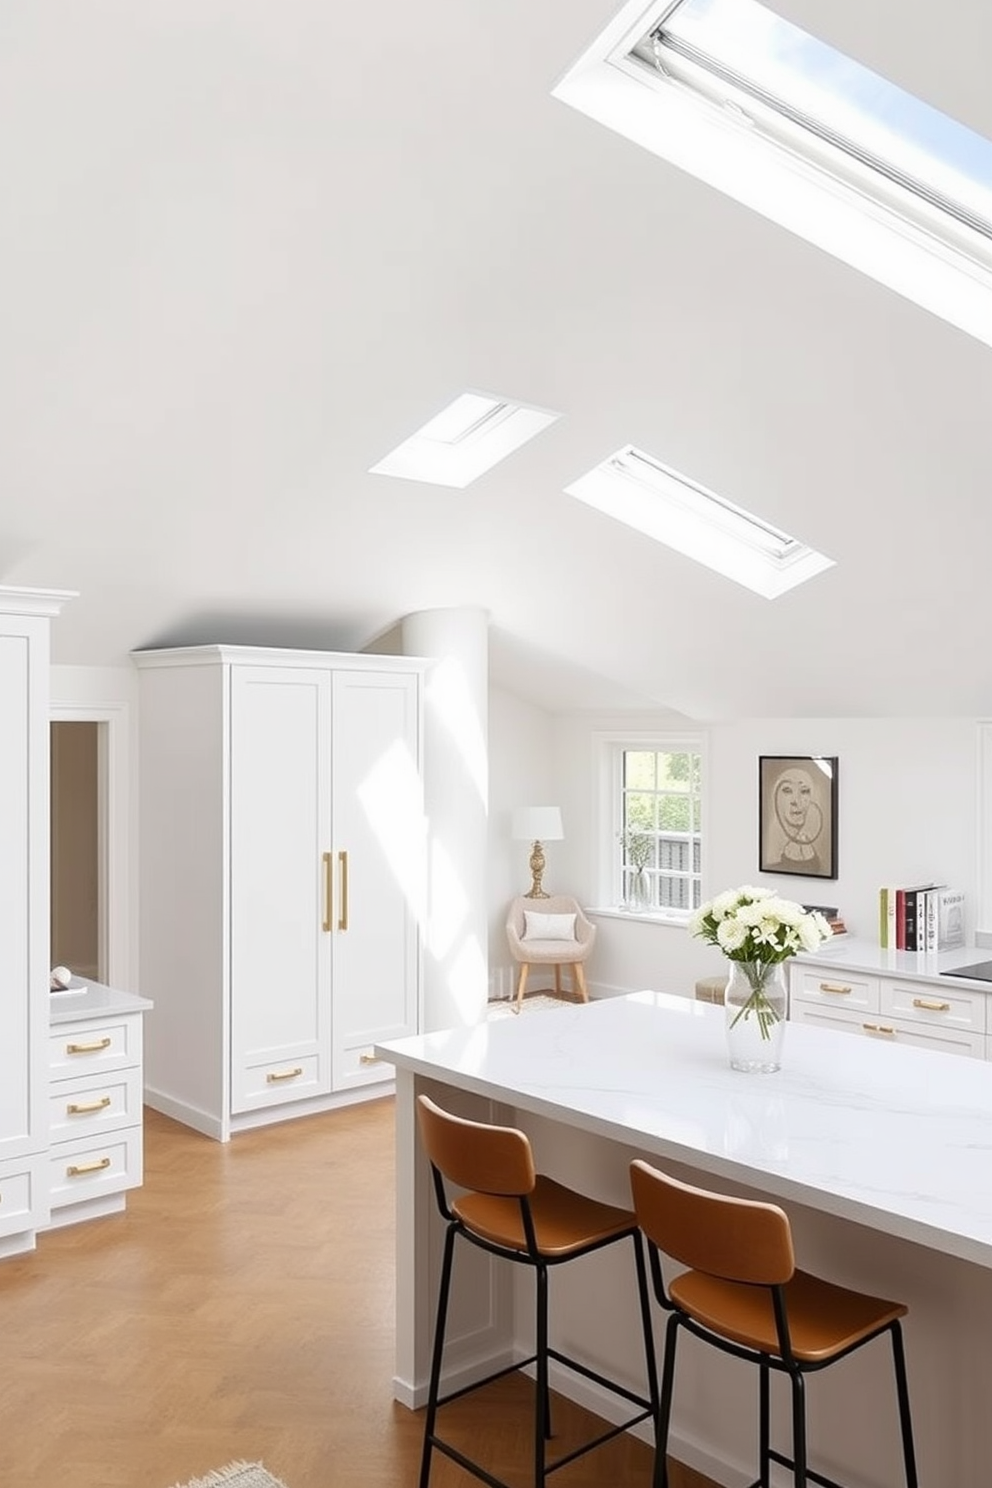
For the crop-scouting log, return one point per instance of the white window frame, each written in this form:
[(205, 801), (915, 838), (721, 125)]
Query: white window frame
[(611, 747), (928, 258)]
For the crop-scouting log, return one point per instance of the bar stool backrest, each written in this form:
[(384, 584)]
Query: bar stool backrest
[(485, 1159), (734, 1239)]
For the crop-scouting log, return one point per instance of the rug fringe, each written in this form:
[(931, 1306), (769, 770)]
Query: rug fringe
[(225, 1474)]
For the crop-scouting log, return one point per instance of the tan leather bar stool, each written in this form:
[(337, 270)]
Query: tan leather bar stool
[(743, 1294), (512, 1212)]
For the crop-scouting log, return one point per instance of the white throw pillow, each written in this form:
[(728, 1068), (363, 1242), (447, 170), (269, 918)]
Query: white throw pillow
[(548, 926)]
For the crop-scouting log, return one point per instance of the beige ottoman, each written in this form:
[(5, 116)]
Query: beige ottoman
[(711, 989)]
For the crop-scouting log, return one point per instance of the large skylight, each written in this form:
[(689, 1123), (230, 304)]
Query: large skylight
[(638, 490), (813, 140), (467, 438)]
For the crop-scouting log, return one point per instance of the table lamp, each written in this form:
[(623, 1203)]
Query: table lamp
[(537, 824)]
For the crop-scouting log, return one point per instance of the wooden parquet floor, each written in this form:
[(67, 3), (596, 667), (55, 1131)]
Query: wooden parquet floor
[(242, 1307)]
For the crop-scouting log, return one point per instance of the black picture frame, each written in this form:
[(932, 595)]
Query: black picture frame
[(797, 815)]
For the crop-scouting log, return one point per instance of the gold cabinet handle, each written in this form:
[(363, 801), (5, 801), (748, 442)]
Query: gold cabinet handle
[(76, 1170), (835, 988), (343, 920), (90, 1048), (930, 1006), (275, 1075), (879, 1028), (368, 1059), (80, 1108), (328, 894)]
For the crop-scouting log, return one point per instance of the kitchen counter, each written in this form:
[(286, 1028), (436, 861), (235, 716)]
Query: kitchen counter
[(864, 955), (881, 1154), (85, 999)]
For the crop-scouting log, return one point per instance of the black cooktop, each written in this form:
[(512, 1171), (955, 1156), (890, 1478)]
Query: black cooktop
[(982, 972)]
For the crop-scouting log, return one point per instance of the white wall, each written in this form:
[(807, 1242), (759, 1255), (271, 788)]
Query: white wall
[(908, 804), (521, 773)]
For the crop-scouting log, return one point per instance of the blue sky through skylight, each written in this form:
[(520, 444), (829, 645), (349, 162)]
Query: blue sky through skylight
[(815, 80)]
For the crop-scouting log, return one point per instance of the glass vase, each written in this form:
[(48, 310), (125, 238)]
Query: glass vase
[(756, 1006)]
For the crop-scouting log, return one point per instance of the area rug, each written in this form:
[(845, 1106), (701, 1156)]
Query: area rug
[(507, 1007), (236, 1475)]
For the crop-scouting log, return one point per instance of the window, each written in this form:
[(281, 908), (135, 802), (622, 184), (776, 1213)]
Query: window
[(657, 841), (790, 127), (634, 488)]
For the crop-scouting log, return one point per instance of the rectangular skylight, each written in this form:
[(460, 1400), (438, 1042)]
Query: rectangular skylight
[(785, 124), (464, 440), (638, 490)]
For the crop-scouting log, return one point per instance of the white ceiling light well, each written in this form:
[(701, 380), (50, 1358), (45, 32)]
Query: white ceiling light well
[(464, 440), (767, 114), (635, 489)]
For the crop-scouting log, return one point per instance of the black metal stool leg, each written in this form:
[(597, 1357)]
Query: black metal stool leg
[(664, 1417), (542, 1402), (645, 1304), (439, 1327), (905, 1419), (764, 1426), (798, 1428)]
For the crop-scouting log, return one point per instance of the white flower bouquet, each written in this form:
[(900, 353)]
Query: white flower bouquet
[(758, 929)]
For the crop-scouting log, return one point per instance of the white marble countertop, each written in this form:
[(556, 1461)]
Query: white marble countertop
[(864, 955), (894, 1138), (86, 999)]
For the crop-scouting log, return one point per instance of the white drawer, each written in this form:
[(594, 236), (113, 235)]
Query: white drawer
[(83, 1106), (23, 1197), (833, 988), (934, 1006), (277, 1082), (827, 1015), (359, 1066), (94, 1044), (90, 1167), (917, 1036)]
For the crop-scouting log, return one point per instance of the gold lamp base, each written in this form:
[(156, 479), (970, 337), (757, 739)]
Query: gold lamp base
[(537, 873)]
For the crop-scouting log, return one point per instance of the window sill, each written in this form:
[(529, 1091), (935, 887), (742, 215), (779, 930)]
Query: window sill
[(643, 916)]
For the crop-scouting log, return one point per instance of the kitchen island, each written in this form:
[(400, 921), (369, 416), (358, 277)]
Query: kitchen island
[(882, 1156)]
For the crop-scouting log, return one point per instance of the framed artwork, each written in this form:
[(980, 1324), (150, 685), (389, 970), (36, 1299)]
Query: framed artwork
[(797, 815)]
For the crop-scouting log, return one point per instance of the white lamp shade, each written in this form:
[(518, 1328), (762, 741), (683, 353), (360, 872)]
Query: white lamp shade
[(537, 824)]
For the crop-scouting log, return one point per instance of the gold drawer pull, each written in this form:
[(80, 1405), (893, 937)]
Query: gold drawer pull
[(91, 1048), (80, 1108), (835, 988), (368, 1059), (878, 1028), (931, 1007), (76, 1170), (275, 1075)]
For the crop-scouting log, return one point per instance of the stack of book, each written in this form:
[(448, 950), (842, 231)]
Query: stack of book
[(920, 917), (831, 914)]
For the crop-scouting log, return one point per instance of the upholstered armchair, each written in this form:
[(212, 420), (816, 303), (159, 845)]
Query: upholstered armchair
[(550, 932)]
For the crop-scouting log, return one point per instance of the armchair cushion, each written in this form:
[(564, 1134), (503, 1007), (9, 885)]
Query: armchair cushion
[(548, 926)]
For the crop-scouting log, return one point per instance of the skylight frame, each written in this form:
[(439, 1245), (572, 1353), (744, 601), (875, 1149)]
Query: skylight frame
[(466, 438), (635, 488), (685, 117)]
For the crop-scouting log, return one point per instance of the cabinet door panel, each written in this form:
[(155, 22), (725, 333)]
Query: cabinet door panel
[(378, 824), (279, 829)]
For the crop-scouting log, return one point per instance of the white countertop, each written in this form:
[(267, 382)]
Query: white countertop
[(864, 955), (95, 1001), (895, 1138)]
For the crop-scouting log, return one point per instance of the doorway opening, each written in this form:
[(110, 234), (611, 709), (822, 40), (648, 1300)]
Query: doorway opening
[(79, 848)]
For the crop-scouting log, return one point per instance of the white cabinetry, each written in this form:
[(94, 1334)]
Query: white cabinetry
[(896, 997), (282, 874), (95, 1102), (25, 617)]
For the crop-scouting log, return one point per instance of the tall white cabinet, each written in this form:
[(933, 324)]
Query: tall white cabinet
[(25, 618), (282, 877)]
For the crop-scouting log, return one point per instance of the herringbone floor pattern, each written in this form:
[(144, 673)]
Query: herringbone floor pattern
[(242, 1308)]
